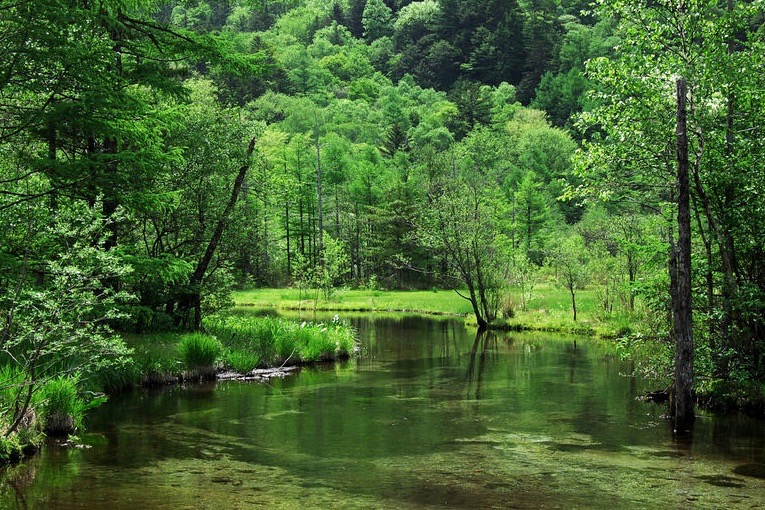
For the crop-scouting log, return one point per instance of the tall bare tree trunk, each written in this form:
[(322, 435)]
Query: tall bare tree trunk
[(683, 390)]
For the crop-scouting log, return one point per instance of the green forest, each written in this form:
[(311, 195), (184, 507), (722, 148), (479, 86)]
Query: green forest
[(156, 156)]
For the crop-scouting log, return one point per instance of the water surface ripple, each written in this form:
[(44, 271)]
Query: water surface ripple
[(431, 416)]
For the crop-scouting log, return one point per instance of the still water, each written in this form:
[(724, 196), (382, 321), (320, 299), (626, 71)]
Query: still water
[(430, 416)]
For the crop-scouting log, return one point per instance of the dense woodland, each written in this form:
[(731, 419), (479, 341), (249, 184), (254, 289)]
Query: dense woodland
[(155, 155)]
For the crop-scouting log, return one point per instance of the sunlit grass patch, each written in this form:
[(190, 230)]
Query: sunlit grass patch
[(549, 307), (367, 300)]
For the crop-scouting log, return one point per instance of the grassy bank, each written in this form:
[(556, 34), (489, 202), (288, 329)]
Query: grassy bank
[(55, 408), (234, 343), (549, 308), (437, 302), (238, 343)]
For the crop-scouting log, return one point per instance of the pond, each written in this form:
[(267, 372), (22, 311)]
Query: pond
[(430, 416)]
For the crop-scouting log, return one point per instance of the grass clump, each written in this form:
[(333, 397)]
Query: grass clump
[(275, 341), (199, 352), (156, 358), (242, 362), (63, 407)]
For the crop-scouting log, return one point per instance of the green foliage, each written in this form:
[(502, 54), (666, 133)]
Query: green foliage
[(242, 362), (335, 261), (156, 359), (315, 344), (275, 341), (199, 351), (569, 262), (11, 380), (60, 323), (631, 159), (457, 185), (63, 406), (523, 276), (20, 444), (377, 20)]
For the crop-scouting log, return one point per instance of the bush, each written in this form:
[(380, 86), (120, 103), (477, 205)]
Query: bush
[(200, 352)]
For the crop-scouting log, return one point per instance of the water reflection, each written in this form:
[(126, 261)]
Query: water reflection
[(432, 415), (17, 480), (484, 346)]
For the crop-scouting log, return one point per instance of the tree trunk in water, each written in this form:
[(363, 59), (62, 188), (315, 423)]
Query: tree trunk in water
[(683, 390), (482, 324)]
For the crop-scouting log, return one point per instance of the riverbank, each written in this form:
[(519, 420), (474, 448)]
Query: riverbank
[(495, 423), (548, 309), (241, 347), (235, 343)]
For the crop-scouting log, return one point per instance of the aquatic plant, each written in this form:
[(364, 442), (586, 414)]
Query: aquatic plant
[(277, 340), (63, 407), (242, 362), (199, 352), (316, 343)]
